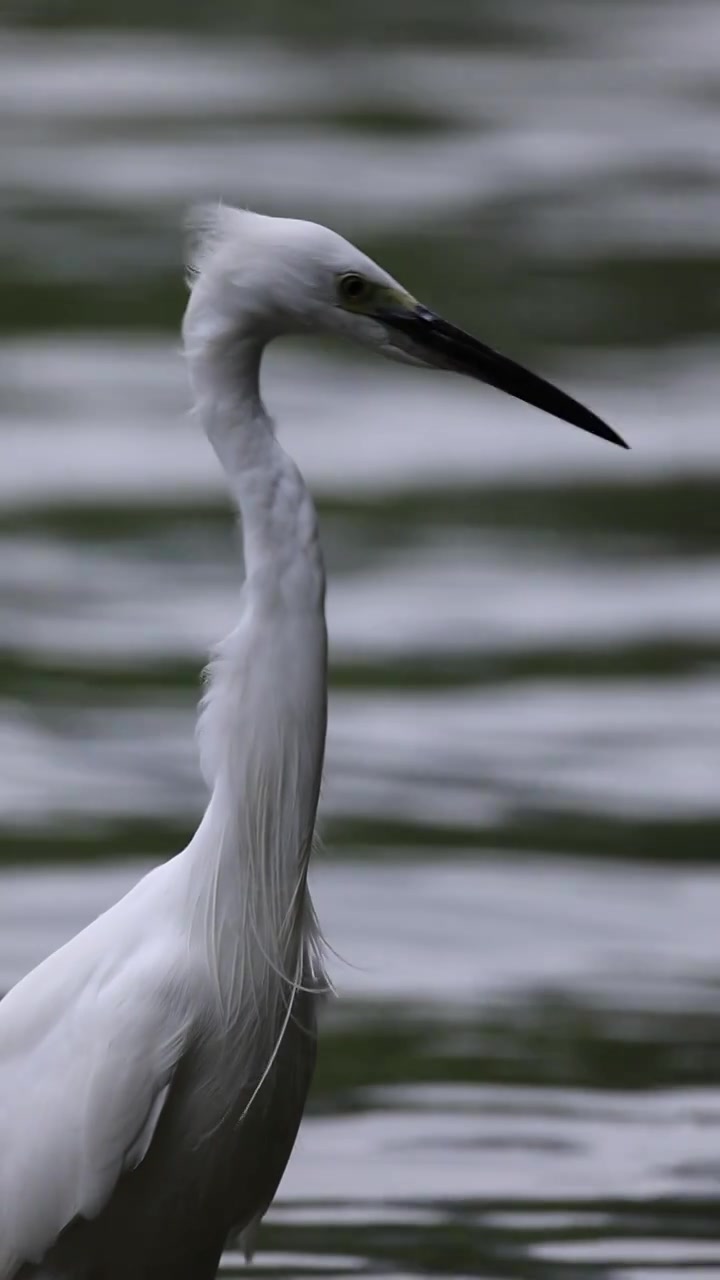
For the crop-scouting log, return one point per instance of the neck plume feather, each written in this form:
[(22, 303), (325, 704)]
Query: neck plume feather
[(262, 721)]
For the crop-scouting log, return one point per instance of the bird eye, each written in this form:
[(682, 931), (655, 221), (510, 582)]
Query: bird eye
[(354, 288)]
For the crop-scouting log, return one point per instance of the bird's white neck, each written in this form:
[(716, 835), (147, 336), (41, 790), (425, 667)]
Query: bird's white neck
[(263, 719), (225, 376)]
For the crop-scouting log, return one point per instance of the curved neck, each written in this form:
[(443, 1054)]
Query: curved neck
[(277, 513), (263, 718), (280, 643)]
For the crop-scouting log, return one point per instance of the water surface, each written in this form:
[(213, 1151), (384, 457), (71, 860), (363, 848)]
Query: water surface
[(519, 1076)]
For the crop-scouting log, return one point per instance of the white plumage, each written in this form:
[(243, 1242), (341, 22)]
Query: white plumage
[(153, 1072)]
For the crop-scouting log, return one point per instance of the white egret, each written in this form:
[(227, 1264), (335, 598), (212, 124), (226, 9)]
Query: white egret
[(153, 1071)]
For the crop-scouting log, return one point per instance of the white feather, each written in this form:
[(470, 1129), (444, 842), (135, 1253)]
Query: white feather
[(154, 1071), (209, 227)]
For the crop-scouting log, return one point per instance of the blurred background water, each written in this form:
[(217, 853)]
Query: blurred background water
[(521, 809)]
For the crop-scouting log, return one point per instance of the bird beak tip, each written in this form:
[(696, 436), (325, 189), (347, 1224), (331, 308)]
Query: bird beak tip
[(445, 346)]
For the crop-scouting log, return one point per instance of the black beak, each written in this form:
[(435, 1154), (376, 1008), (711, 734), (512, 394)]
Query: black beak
[(448, 347)]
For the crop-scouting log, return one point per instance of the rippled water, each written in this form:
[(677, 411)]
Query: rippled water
[(521, 811)]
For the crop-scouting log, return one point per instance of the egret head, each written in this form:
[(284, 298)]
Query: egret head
[(256, 277)]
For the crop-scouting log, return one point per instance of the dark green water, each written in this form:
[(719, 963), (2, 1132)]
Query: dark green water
[(521, 810)]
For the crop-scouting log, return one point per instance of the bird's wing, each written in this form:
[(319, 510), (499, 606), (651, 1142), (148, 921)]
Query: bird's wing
[(87, 1056)]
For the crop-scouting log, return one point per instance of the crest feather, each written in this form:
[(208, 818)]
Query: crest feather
[(208, 227)]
